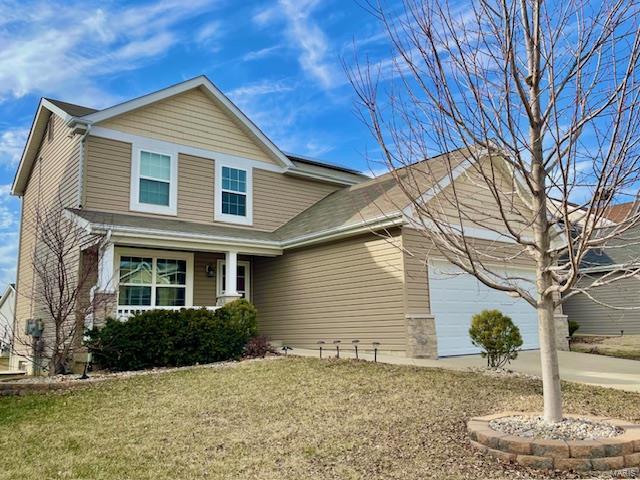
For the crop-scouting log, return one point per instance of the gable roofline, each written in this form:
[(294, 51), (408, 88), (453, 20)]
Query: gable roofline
[(77, 115), (7, 293), (38, 127), (200, 81), (72, 109)]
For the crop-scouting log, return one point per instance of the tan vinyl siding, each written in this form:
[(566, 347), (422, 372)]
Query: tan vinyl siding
[(416, 283), (276, 197), (191, 118), (477, 204), (598, 319), (108, 175), (53, 182), (350, 289), (204, 288), (418, 249), (195, 189)]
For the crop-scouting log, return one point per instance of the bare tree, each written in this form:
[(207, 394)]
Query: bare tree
[(538, 101), (64, 263)]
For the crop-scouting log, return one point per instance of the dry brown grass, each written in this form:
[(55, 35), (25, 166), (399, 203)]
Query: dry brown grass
[(626, 346), (283, 419)]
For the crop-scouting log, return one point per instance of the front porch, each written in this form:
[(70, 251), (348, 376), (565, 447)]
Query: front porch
[(131, 280)]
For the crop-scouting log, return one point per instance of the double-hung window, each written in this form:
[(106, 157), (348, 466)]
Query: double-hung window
[(149, 279), (234, 191), (153, 182), (233, 199)]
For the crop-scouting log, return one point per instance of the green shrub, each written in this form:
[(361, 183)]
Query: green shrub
[(497, 336), (573, 327), (172, 338)]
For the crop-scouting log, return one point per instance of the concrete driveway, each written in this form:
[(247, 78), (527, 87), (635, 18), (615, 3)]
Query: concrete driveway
[(574, 367)]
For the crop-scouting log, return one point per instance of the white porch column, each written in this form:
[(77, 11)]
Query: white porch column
[(106, 271), (231, 270), (230, 292)]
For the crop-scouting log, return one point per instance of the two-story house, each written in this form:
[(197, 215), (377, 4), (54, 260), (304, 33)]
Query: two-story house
[(197, 207)]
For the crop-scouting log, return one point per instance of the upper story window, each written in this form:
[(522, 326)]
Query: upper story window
[(154, 182), (155, 178), (234, 191), (233, 194)]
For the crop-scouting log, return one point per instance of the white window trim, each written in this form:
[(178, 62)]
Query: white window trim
[(134, 202), (155, 254), (247, 280), (225, 217)]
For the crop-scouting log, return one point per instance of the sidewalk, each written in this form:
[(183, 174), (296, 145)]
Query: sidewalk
[(574, 366)]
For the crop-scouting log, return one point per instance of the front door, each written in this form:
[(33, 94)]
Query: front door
[(243, 277)]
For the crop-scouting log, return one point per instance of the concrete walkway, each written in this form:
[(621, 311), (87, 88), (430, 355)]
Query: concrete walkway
[(574, 367)]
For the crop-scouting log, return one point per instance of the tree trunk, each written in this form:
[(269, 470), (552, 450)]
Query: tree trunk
[(549, 363)]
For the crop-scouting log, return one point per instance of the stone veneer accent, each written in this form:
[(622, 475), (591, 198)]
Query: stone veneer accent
[(105, 305), (562, 331), (612, 453), (421, 336)]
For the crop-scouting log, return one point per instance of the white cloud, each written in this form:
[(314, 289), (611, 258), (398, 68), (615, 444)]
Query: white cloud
[(209, 33), (63, 49), (8, 258), (11, 144), (307, 36), (246, 95), (9, 212), (259, 54)]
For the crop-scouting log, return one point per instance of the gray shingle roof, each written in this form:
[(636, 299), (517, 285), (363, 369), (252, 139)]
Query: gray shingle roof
[(72, 109), (623, 250), (312, 161), (376, 198), (371, 200)]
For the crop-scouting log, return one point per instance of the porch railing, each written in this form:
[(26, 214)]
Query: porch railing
[(125, 312)]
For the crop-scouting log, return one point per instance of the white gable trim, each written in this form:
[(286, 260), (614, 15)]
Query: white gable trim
[(212, 90), (439, 186)]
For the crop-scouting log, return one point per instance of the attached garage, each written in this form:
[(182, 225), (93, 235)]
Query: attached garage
[(456, 296)]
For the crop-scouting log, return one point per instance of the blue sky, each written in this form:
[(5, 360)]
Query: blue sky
[(279, 60)]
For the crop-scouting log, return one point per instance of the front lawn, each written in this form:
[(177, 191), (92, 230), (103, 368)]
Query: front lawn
[(276, 419), (626, 346)]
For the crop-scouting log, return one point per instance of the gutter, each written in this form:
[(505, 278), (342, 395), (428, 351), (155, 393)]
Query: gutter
[(609, 268), (378, 223), (324, 178)]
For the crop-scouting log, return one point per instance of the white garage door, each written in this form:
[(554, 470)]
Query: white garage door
[(456, 297)]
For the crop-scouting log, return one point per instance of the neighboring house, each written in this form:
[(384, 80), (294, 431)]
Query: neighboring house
[(612, 308), (198, 207), (7, 308), (621, 211)]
